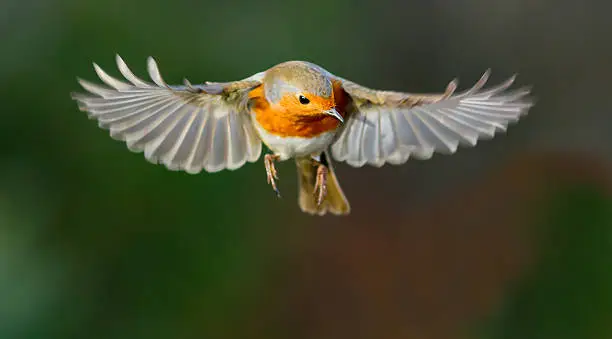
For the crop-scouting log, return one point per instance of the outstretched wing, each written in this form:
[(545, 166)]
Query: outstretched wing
[(190, 127), (386, 126)]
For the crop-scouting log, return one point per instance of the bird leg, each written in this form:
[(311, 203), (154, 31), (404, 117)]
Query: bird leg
[(271, 173), (320, 189)]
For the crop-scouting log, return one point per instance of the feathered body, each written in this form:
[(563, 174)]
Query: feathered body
[(299, 111), (289, 128)]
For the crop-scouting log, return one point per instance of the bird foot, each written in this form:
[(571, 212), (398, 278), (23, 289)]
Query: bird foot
[(271, 172), (320, 189)]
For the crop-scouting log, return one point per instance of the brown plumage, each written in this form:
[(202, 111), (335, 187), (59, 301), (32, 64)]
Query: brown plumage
[(298, 110)]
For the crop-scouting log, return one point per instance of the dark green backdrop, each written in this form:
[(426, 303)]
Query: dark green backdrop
[(511, 239)]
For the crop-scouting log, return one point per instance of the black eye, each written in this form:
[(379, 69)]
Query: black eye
[(304, 100)]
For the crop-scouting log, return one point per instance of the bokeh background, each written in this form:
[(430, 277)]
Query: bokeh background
[(510, 239)]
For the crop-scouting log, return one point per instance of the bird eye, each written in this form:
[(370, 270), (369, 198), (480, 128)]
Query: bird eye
[(304, 100)]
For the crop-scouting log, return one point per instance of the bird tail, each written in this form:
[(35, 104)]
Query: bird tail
[(335, 202)]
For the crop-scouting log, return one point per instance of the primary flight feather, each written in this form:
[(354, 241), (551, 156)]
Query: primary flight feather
[(298, 110)]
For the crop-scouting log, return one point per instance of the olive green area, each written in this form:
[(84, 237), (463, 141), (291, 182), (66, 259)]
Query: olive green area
[(95, 242), (567, 294)]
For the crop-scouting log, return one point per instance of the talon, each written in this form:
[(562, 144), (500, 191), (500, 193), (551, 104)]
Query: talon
[(271, 173), (321, 184)]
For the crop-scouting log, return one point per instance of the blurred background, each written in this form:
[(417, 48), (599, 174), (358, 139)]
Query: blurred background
[(510, 239)]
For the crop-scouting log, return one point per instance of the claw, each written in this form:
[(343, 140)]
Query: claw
[(271, 173)]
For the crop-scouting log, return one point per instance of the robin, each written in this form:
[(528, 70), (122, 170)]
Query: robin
[(298, 110)]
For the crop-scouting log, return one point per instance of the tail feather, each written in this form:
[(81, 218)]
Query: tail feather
[(335, 202)]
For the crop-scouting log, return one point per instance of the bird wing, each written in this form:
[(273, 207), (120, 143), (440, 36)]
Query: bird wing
[(388, 127), (190, 127)]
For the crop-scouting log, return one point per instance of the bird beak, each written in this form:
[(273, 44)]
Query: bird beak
[(334, 114)]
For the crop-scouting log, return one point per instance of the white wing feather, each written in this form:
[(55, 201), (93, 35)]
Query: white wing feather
[(182, 127), (379, 133)]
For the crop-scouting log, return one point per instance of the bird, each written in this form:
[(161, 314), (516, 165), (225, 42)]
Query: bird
[(299, 111)]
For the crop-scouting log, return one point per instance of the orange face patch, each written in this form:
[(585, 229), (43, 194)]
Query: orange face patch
[(291, 118), (315, 105)]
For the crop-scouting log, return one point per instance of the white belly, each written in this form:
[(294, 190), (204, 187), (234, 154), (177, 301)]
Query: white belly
[(290, 147)]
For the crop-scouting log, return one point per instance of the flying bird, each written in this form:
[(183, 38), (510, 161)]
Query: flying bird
[(299, 111)]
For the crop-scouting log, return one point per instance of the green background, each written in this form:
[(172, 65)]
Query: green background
[(510, 239)]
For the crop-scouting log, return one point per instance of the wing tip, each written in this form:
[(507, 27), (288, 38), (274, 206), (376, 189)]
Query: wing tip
[(92, 87), (487, 73), (154, 72), (483, 79), (80, 80), (78, 96), (80, 99), (213, 168)]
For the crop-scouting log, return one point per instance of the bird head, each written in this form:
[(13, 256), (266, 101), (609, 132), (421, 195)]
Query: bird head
[(301, 88)]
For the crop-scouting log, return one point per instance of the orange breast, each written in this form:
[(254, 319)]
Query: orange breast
[(284, 122)]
